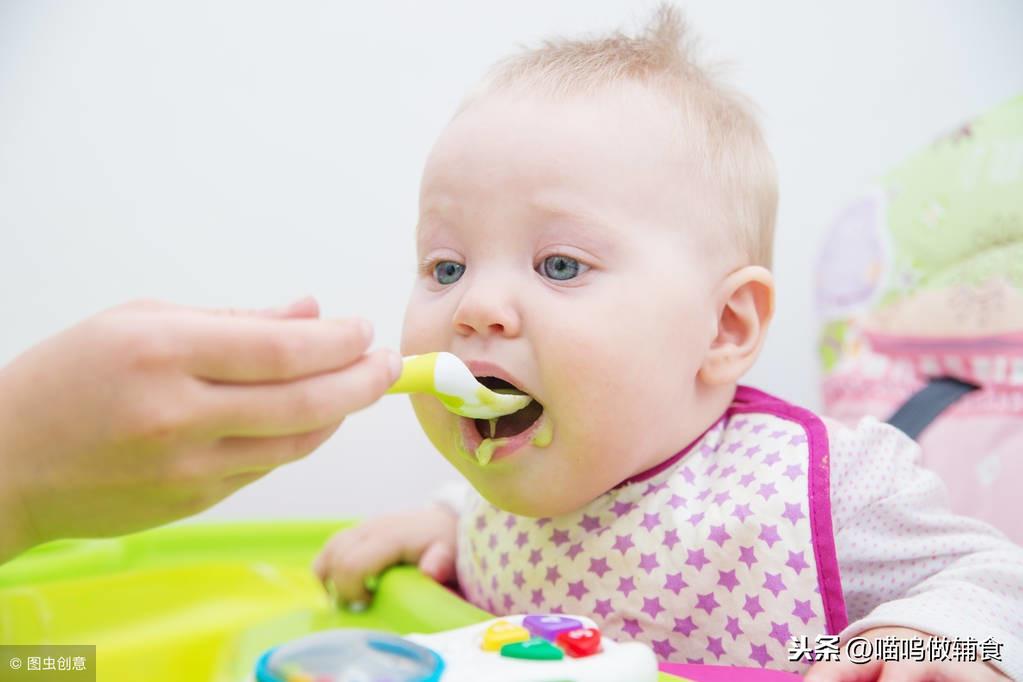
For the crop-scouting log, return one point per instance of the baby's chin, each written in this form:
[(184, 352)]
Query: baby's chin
[(533, 485)]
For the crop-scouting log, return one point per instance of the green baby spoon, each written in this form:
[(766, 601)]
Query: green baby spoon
[(446, 377)]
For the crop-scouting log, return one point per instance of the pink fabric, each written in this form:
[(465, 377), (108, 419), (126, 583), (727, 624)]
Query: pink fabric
[(976, 445), (726, 673)]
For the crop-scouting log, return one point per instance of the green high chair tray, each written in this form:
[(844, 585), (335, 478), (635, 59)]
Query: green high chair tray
[(200, 601)]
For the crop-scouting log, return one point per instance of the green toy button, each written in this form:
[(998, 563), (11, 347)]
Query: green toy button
[(536, 649)]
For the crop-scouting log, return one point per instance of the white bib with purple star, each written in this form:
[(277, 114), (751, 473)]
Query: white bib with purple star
[(722, 554)]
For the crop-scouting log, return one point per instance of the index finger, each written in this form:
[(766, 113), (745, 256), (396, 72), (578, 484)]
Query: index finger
[(252, 349)]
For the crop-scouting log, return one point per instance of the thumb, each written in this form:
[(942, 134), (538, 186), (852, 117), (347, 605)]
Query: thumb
[(438, 561)]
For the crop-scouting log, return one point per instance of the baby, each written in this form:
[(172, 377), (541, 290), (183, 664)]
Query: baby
[(595, 230)]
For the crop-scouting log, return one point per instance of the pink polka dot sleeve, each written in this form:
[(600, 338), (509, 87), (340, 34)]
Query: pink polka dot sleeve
[(906, 559)]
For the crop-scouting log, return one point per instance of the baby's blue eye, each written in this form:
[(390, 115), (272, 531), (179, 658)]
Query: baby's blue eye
[(447, 271), (560, 267)]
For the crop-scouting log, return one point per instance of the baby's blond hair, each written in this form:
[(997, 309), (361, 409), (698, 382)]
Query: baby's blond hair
[(727, 136)]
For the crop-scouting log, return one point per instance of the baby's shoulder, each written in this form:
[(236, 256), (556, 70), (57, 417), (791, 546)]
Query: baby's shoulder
[(869, 460)]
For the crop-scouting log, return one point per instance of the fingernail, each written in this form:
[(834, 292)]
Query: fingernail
[(394, 361)]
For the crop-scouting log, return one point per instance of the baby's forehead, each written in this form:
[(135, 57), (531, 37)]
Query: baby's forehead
[(558, 134)]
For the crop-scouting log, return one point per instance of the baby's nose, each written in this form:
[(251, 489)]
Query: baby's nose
[(487, 311)]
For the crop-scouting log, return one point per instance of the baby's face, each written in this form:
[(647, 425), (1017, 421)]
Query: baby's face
[(565, 247)]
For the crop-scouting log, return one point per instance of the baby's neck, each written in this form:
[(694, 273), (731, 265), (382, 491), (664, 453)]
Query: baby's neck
[(708, 409)]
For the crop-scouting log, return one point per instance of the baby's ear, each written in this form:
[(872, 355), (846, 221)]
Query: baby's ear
[(745, 305)]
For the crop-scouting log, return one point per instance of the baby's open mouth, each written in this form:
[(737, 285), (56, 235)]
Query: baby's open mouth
[(510, 424)]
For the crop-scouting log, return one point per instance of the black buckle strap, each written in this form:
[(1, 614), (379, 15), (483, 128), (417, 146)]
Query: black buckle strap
[(924, 406)]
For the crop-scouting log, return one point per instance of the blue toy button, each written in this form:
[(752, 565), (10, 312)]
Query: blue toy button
[(350, 656)]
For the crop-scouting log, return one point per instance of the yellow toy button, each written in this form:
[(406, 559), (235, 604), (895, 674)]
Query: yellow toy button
[(502, 632)]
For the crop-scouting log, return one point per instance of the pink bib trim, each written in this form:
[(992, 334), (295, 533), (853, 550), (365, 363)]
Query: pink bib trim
[(749, 399)]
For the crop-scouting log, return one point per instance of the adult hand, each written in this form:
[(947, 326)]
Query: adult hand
[(149, 412)]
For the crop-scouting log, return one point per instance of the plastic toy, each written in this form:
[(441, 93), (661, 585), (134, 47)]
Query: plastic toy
[(531, 648)]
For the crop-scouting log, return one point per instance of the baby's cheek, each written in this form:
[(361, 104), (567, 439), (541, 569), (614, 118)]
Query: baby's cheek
[(436, 424)]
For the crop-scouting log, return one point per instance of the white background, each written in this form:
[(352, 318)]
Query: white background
[(247, 153)]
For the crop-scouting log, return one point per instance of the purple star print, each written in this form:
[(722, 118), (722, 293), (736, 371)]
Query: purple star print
[(697, 558), (719, 535), (714, 646), (773, 582), (553, 574), (671, 538), (648, 562), (623, 543), (733, 627), (603, 608), (577, 590), (747, 556), (626, 585), (758, 652), (631, 627), (559, 537), (651, 521), (796, 562), (620, 508), (675, 583), (803, 611), (652, 606), (663, 648), (741, 511), (707, 602), (780, 633), (728, 580), (769, 534), (684, 626), (654, 488), (753, 606), (574, 550), (589, 523), (793, 512), (599, 566)]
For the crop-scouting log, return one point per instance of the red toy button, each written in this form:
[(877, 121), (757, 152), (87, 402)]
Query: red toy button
[(579, 643)]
